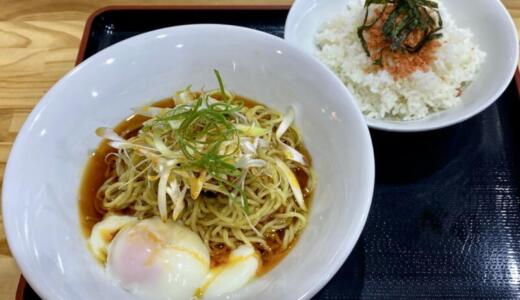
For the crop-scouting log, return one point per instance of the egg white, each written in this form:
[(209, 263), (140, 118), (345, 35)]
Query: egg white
[(158, 260), (104, 232)]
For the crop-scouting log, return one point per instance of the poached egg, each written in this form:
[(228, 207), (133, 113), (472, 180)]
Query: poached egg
[(153, 259)]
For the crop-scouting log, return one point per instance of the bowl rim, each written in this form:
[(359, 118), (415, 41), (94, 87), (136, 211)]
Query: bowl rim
[(9, 208), (397, 126)]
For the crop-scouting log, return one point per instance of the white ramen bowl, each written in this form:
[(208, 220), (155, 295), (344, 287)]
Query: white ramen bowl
[(40, 192), (494, 31)]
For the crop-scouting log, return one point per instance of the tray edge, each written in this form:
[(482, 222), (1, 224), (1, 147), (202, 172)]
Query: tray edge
[(20, 290), (88, 24)]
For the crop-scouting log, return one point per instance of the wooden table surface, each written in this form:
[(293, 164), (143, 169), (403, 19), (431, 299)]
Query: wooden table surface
[(38, 44)]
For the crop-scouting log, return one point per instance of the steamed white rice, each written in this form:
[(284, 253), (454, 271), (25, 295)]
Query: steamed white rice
[(378, 94)]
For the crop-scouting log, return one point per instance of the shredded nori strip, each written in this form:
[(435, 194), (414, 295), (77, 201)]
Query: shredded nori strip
[(405, 17)]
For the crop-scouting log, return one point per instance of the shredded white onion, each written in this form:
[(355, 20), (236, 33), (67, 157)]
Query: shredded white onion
[(293, 182), (109, 134), (148, 111), (289, 152), (287, 120)]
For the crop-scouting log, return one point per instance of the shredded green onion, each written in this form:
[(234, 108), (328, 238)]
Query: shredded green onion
[(221, 85)]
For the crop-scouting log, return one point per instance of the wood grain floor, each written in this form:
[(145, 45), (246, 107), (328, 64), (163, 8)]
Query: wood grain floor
[(38, 44)]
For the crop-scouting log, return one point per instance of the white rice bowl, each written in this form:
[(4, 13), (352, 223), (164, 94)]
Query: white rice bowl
[(457, 63)]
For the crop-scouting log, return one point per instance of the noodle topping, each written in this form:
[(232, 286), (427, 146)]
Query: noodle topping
[(233, 172)]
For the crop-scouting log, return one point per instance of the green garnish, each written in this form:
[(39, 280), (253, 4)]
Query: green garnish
[(406, 17), (221, 85), (204, 127)]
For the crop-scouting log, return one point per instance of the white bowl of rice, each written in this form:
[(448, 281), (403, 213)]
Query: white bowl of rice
[(471, 68)]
